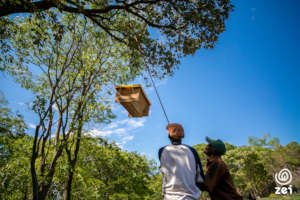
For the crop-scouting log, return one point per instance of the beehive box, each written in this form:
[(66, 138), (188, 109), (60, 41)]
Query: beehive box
[(133, 99)]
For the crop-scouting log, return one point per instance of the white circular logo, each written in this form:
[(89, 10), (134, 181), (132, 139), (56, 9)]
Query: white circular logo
[(284, 177)]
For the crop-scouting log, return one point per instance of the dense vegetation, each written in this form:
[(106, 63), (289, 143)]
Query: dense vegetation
[(253, 166), (104, 171)]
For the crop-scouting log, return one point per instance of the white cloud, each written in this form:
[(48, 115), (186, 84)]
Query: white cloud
[(21, 103), (32, 126), (55, 107), (112, 125), (99, 133), (124, 140), (136, 123), (121, 129), (127, 123)]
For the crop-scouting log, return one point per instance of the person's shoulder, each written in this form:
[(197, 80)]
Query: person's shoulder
[(186, 145), (161, 150), (222, 163), (166, 146), (218, 163), (190, 148)]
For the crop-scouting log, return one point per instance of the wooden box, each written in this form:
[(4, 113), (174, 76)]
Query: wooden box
[(133, 99)]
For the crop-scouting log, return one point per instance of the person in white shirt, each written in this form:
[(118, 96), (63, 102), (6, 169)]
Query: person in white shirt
[(181, 167)]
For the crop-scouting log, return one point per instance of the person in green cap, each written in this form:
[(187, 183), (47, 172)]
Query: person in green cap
[(218, 181)]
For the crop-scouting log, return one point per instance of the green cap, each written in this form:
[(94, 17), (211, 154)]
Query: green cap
[(217, 144)]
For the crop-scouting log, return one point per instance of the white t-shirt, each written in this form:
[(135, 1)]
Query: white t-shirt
[(181, 168)]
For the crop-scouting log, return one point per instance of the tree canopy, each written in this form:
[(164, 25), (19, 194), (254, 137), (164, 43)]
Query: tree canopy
[(182, 26), (71, 67), (11, 124), (70, 54), (103, 171)]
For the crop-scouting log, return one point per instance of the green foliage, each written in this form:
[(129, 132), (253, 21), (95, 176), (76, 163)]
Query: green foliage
[(183, 26), (249, 171), (15, 150), (253, 167), (71, 67), (106, 172), (11, 124), (280, 197), (15, 176), (103, 171), (70, 57), (65, 53)]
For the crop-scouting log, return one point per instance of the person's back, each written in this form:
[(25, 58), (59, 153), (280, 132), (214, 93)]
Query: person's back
[(218, 181), (181, 168)]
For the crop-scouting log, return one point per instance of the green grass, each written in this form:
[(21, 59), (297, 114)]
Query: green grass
[(279, 197)]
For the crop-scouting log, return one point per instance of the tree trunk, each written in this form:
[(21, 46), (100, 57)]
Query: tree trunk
[(32, 166), (43, 193), (68, 185), (72, 162)]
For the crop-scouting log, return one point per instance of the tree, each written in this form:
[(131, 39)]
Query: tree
[(71, 67), (277, 156), (107, 172), (15, 180), (249, 171), (11, 124), (155, 185), (14, 177), (73, 75), (183, 26), (248, 167), (103, 171)]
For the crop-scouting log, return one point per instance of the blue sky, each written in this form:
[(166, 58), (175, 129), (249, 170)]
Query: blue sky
[(248, 85)]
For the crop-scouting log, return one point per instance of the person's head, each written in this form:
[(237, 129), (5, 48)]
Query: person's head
[(176, 132), (214, 147)]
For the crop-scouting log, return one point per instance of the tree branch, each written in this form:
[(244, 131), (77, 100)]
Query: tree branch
[(149, 22), (10, 7)]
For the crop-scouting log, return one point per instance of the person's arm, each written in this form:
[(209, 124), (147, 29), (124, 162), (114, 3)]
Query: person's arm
[(161, 158), (160, 152), (202, 186), (213, 176), (199, 169)]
